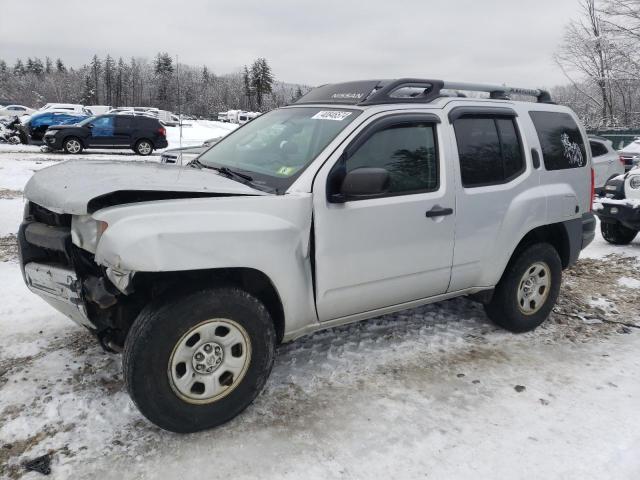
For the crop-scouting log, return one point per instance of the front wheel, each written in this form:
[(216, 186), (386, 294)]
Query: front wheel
[(616, 233), (528, 289), (72, 145), (144, 147), (197, 361)]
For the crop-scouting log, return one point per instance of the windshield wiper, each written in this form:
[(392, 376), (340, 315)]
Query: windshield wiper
[(226, 171)]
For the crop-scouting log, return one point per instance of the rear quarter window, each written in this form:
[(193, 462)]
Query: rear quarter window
[(561, 141)]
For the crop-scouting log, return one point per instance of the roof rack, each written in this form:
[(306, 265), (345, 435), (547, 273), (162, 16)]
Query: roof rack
[(408, 90)]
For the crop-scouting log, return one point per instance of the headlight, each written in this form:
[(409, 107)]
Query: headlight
[(86, 232), (634, 181)]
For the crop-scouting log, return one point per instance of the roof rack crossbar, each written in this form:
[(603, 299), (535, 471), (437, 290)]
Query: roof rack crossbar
[(499, 91)]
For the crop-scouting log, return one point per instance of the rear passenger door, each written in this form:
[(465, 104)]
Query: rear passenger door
[(122, 136), (491, 199)]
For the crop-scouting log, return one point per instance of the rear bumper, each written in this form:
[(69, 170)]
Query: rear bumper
[(161, 143), (588, 229), (627, 215)]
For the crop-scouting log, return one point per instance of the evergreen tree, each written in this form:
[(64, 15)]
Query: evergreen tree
[(109, 67), (29, 65), (246, 83), (37, 67), (298, 94), (96, 69), (205, 75), (60, 68), (88, 91), (261, 79), (120, 81), (163, 66), (3, 67), (48, 65), (18, 68)]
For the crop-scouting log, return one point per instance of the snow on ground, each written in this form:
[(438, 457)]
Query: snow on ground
[(628, 282), (433, 392), (10, 215), (194, 132)]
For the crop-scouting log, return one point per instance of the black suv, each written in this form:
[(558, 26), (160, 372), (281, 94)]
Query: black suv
[(140, 133)]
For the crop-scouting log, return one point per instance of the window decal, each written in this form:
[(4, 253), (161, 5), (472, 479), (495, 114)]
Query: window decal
[(572, 152)]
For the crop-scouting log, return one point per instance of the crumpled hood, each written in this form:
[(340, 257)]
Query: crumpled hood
[(69, 186)]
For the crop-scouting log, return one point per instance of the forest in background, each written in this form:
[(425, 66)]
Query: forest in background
[(161, 83)]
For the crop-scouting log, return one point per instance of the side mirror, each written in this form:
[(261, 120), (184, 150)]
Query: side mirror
[(363, 183)]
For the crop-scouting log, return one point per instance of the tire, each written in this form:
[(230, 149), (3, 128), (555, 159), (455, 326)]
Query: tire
[(511, 307), (616, 233), (72, 145), (144, 147), (164, 333)]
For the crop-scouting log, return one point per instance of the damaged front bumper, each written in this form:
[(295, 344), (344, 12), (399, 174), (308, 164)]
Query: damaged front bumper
[(60, 288)]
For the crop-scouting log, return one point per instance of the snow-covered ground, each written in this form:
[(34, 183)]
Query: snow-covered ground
[(434, 392)]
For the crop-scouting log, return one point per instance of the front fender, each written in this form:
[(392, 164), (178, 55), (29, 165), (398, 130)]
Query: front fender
[(270, 234)]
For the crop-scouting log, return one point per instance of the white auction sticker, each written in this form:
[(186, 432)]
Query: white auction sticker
[(331, 115)]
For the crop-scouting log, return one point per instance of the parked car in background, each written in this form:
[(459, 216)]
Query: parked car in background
[(140, 133), (15, 111), (245, 117), (619, 208), (607, 163), (65, 107), (182, 156), (222, 117), (37, 125), (630, 154), (99, 109)]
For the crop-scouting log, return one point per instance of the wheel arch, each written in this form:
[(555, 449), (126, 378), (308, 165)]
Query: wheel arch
[(555, 234), (154, 285)]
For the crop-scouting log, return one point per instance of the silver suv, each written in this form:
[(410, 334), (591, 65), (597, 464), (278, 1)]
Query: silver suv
[(362, 198)]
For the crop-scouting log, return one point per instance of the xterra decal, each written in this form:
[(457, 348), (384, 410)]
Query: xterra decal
[(572, 152)]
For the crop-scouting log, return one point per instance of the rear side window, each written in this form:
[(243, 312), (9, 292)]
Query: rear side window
[(598, 149), (124, 122), (407, 151), (489, 149), (560, 139)]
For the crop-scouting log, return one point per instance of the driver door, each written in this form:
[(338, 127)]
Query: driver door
[(396, 248), (102, 131)]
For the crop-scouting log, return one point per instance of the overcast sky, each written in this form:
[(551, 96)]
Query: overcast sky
[(320, 41)]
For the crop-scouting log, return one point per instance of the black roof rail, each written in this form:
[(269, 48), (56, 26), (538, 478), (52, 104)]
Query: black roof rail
[(408, 90)]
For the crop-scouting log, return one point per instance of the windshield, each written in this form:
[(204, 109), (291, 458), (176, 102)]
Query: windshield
[(86, 121), (275, 148)]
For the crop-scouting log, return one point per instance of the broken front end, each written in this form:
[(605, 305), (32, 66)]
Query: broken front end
[(67, 277)]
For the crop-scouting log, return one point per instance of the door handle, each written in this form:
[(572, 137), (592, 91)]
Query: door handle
[(438, 211)]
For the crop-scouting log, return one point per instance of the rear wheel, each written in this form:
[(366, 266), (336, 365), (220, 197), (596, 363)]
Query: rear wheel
[(616, 233), (72, 145), (197, 361), (144, 147), (528, 289)]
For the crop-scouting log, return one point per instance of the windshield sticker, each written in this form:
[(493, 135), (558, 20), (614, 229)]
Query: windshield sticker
[(286, 170), (331, 115)]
